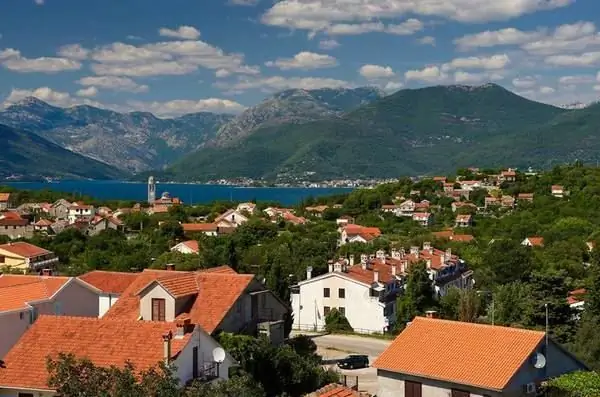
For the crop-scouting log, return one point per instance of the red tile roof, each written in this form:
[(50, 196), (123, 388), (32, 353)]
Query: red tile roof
[(218, 290), (335, 390), (179, 285), (462, 238), (576, 296), (444, 234), (43, 223), (464, 353), (24, 249), (193, 245), (104, 342), (354, 229), (536, 241), (199, 227), (463, 218), (17, 290), (297, 220), (4, 197), (109, 282)]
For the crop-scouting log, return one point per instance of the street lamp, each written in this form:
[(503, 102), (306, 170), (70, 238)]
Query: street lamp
[(492, 295)]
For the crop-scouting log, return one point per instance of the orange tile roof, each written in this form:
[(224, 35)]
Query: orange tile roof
[(109, 282), (179, 285), (220, 269), (4, 197), (43, 222), (576, 296), (298, 220), (104, 342), (16, 291), (192, 244), (462, 238), (354, 229), (446, 234), (335, 390), (160, 209), (463, 218), (536, 241), (383, 268), (199, 227), (24, 249), (478, 355), (218, 290)]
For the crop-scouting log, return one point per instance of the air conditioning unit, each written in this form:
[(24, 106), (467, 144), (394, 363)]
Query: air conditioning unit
[(530, 388)]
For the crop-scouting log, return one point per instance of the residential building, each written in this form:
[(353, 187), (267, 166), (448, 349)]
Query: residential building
[(166, 200), (525, 197), (99, 224), (576, 299), (450, 235), (187, 247), (81, 212), (296, 220), (407, 208), (215, 299), (557, 191), (43, 226), (509, 175), (208, 229), (535, 241), (470, 185), (104, 212), (423, 218), (317, 211), (14, 226), (391, 209), (353, 233), (344, 220), (507, 201), (250, 208), (422, 206), (433, 358), (158, 209), (448, 187), (188, 348), (464, 220), (440, 179), (379, 277), (491, 201), (109, 285), (26, 257), (60, 209), (6, 201), (231, 218), (24, 297)]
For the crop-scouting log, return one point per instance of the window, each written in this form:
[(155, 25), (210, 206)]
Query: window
[(25, 395), (195, 362), (158, 309), (412, 389), (342, 310), (326, 310), (58, 308), (2, 259), (21, 316), (326, 292), (342, 293), (460, 393)]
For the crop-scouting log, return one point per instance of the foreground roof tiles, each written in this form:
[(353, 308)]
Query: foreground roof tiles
[(465, 353), (16, 291), (335, 390), (104, 342), (109, 282)]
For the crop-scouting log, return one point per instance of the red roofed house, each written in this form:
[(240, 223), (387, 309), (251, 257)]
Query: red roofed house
[(216, 299), (106, 343), (557, 191), (187, 247), (231, 218), (98, 224), (533, 242), (291, 218), (366, 292), (26, 257), (353, 233), (6, 201), (110, 286), (432, 358), (525, 197), (423, 218), (81, 211), (14, 226), (464, 220), (576, 299), (208, 229), (509, 175), (336, 390), (43, 226), (23, 298)]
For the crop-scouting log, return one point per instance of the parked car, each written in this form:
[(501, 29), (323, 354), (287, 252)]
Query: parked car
[(354, 361)]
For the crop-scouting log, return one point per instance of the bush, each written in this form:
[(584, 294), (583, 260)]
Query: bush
[(335, 321)]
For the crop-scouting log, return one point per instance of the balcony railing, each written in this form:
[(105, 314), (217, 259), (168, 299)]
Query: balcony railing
[(208, 371)]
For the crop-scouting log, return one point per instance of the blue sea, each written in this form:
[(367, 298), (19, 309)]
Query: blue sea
[(189, 193)]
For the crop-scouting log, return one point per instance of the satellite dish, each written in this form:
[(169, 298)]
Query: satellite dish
[(539, 361), (218, 354)]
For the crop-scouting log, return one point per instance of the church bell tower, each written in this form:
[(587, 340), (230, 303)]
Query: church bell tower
[(151, 190)]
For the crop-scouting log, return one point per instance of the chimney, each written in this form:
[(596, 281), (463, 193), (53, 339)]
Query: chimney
[(427, 246), (167, 347), (393, 270), (330, 266), (414, 250), (309, 272), (170, 266), (183, 327), (351, 260), (394, 253), (363, 261), (376, 276), (337, 266), (431, 314), (428, 263), (380, 255)]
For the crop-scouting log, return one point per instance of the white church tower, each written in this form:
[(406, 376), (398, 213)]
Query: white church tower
[(151, 190)]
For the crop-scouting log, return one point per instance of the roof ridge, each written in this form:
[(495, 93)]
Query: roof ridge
[(481, 325)]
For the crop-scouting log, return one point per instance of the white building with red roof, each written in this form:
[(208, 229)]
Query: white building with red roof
[(24, 256), (187, 247), (80, 211), (353, 233), (423, 218)]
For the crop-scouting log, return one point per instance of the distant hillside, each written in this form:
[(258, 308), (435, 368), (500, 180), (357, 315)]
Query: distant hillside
[(25, 153), (411, 132)]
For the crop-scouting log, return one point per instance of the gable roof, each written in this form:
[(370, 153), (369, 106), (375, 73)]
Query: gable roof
[(536, 241), (227, 213), (104, 342), (109, 282), (217, 291), (17, 291), (24, 249), (335, 390), (199, 227), (4, 197), (478, 355), (177, 285)]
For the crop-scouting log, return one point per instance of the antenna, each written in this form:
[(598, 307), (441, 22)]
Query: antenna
[(539, 361), (218, 354)]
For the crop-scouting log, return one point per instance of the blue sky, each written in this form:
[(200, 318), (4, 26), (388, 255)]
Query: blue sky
[(180, 56)]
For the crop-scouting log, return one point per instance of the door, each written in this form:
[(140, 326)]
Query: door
[(158, 309), (412, 389), (195, 362), (254, 306)]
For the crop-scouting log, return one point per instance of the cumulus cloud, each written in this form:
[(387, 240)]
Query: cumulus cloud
[(13, 60), (244, 2), (525, 82), (279, 83), (426, 40), (576, 80), (408, 27), (88, 92), (144, 70), (494, 62), (46, 94), (328, 44), (113, 83), (183, 32), (180, 107), (546, 90), (429, 74), (392, 86), (374, 72), (304, 60), (586, 59), (507, 36), (222, 73), (74, 51)]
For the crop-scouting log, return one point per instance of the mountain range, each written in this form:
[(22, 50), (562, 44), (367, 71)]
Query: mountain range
[(327, 133)]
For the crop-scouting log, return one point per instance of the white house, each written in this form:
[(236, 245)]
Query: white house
[(247, 207), (576, 299), (188, 348), (423, 218), (231, 218), (464, 220), (23, 298), (470, 185), (535, 241), (187, 247), (110, 285), (353, 233), (558, 191), (79, 211), (406, 208)]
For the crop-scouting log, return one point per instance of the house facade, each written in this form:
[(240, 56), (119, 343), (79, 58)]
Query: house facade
[(31, 296), (353, 233), (6, 201), (434, 358), (187, 247), (231, 218), (14, 226), (80, 211), (60, 209), (26, 257), (423, 218), (109, 286)]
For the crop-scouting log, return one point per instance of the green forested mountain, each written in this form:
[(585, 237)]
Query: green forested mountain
[(414, 131), (25, 153)]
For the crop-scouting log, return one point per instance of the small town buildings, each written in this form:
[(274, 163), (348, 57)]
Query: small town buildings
[(296, 220), (407, 208), (336, 390), (353, 233), (166, 200), (6, 201), (26, 257), (391, 209), (317, 211), (231, 218), (208, 229), (491, 201), (98, 224), (104, 212), (557, 191), (576, 299), (43, 226), (433, 357), (24, 297), (449, 234), (250, 208), (81, 212), (187, 247), (60, 209), (14, 226), (470, 185), (440, 179), (534, 241), (464, 220), (507, 201), (109, 285), (188, 348), (509, 175), (423, 218), (344, 220), (525, 197)]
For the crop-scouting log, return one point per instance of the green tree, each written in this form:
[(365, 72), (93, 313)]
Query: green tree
[(236, 386), (417, 297), (335, 321), (576, 384)]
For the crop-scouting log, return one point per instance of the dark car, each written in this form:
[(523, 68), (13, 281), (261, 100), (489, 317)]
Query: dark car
[(354, 361)]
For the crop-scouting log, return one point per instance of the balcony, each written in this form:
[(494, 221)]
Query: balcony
[(41, 262), (207, 372)]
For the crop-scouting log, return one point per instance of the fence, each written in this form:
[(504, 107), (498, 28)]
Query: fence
[(318, 328)]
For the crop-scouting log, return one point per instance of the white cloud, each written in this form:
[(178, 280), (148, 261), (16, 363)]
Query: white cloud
[(39, 2), (13, 60), (586, 59), (494, 62), (244, 2), (597, 87), (429, 74), (525, 82), (304, 60), (222, 73), (46, 94), (426, 40), (279, 83), (373, 72), (393, 86), (406, 28), (576, 80), (180, 107), (462, 77), (317, 15), (183, 32), (507, 36), (328, 44), (87, 92), (547, 90), (144, 70), (74, 51), (113, 83), (120, 53)]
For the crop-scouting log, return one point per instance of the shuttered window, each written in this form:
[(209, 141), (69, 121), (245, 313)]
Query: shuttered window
[(158, 309)]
